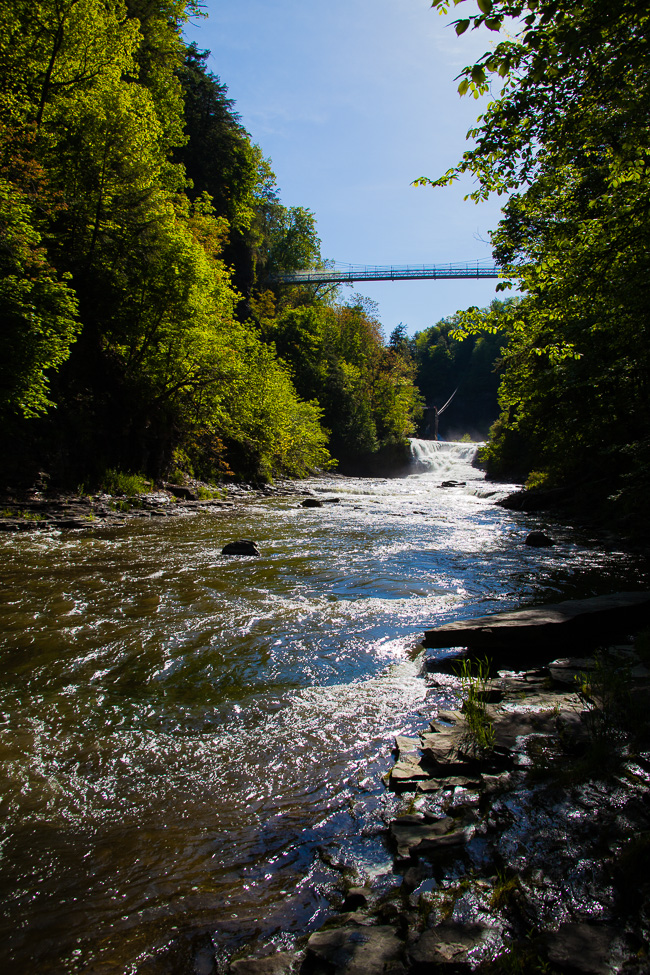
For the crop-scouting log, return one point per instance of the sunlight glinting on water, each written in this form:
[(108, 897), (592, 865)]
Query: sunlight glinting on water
[(196, 741)]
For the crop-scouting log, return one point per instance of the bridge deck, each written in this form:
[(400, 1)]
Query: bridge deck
[(412, 272)]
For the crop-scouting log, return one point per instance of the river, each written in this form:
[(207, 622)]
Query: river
[(192, 745)]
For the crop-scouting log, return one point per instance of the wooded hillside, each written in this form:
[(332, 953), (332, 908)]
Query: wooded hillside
[(139, 228), (568, 140)]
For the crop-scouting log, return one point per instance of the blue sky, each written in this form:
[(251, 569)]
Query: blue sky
[(352, 100)]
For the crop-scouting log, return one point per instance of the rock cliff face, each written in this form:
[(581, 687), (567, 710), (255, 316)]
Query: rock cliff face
[(530, 853), (393, 461)]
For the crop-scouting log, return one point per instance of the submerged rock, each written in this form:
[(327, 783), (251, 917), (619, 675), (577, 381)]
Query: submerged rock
[(241, 547)]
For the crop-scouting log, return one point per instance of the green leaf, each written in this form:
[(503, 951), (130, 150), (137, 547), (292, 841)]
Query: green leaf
[(463, 87), (485, 6), (461, 26)]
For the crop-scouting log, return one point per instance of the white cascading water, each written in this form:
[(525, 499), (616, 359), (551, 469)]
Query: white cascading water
[(436, 456)]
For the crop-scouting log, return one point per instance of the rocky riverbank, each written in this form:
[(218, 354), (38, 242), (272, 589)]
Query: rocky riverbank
[(590, 505), (36, 511), (522, 839)]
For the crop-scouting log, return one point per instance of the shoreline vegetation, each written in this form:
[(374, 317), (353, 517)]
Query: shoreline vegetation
[(79, 511), (564, 142)]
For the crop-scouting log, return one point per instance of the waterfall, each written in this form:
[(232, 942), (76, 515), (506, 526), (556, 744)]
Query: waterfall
[(440, 457)]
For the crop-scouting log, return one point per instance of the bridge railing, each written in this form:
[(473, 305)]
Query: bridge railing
[(365, 272)]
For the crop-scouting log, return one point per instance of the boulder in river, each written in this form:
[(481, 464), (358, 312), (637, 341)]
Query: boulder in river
[(181, 492), (538, 540), (449, 947), (242, 546), (312, 503)]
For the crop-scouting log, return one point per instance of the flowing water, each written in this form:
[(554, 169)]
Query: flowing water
[(192, 745)]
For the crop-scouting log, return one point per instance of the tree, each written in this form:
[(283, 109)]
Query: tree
[(99, 242), (54, 49), (448, 360), (569, 134), (218, 156), (38, 310), (337, 356), (575, 83)]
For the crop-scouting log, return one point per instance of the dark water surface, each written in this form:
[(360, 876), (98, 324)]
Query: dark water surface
[(192, 745)]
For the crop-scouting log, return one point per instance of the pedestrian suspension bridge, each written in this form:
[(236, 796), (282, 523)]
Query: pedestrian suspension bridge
[(337, 273)]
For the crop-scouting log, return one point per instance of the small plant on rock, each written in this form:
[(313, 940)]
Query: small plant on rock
[(25, 514), (505, 889), (474, 678), (209, 494), (119, 482), (614, 722), (605, 694)]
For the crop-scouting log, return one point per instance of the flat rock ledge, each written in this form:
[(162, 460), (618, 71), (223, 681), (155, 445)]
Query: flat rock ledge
[(532, 856), (525, 634), (42, 513)]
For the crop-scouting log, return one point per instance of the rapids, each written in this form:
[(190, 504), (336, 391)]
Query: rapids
[(192, 745)]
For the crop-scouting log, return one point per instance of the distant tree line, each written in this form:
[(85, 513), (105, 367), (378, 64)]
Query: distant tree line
[(451, 363), (139, 227)]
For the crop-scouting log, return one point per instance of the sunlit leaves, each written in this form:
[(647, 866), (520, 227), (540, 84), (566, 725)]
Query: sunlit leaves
[(56, 48), (37, 307), (568, 138), (90, 112)]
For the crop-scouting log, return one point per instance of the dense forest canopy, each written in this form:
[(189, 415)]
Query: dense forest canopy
[(568, 139), (139, 226)]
